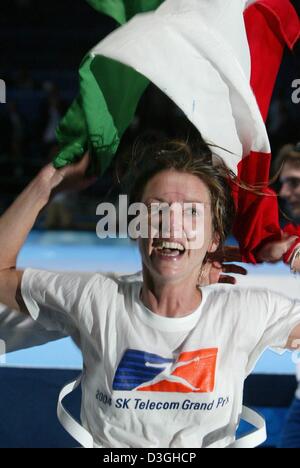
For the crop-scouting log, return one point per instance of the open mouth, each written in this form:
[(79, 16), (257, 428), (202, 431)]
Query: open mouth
[(168, 249)]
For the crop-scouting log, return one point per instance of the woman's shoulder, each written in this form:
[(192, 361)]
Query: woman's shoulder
[(127, 278), (113, 281)]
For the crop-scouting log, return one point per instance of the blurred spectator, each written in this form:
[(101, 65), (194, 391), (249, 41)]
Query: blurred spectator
[(288, 163)]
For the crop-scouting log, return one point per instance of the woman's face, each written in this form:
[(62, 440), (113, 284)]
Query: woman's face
[(172, 255)]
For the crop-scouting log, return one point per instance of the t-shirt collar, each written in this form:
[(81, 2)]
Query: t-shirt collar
[(168, 324)]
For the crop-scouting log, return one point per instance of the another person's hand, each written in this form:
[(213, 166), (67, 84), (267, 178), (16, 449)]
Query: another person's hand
[(273, 252), (218, 270)]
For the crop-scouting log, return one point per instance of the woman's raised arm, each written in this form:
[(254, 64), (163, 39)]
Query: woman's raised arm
[(18, 220)]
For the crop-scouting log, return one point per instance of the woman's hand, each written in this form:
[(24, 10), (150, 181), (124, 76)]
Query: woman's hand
[(69, 178), (217, 270)]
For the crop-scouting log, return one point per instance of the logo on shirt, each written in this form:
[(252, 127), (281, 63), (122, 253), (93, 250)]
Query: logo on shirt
[(191, 372)]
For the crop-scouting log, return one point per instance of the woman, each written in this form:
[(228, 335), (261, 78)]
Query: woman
[(19, 331), (164, 361)]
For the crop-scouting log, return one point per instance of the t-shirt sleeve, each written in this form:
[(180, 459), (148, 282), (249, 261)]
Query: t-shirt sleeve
[(274, 317), (18, 331), (55, 300)]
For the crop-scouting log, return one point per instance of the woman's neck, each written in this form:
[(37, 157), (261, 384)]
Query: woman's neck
[(170, 299)]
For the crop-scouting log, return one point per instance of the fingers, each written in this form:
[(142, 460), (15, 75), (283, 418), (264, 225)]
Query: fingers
[(234, 269), (224, 279), (213, 274), (230, 268), (84, 162), (274, 251), (290, 241), (78, 166)]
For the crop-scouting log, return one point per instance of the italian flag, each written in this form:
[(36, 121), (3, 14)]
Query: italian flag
[(217, 60)]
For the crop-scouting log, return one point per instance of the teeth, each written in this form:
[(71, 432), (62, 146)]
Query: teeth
[(170, 245)]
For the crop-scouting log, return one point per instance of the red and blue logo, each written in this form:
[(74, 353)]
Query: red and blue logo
[(191, 372)]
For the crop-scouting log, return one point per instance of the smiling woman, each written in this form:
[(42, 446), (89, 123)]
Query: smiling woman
[(176, 173), (160, 338)]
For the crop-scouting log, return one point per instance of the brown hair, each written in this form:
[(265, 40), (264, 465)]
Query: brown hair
[(196, 158), (287, 154)]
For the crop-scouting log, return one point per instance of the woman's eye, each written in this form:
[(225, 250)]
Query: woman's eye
[(192, 212)]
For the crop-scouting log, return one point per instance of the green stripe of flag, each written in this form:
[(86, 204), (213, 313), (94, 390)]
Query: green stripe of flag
[(98, 118), (123, 10), (109, 95)]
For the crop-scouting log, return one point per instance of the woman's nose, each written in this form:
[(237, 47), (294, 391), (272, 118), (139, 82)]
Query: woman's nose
[(172, 222)]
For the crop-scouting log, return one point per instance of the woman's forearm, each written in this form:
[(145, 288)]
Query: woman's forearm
[(18, 220)]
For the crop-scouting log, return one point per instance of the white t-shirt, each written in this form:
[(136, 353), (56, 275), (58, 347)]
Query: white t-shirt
[(18, 331), (151, 381)]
